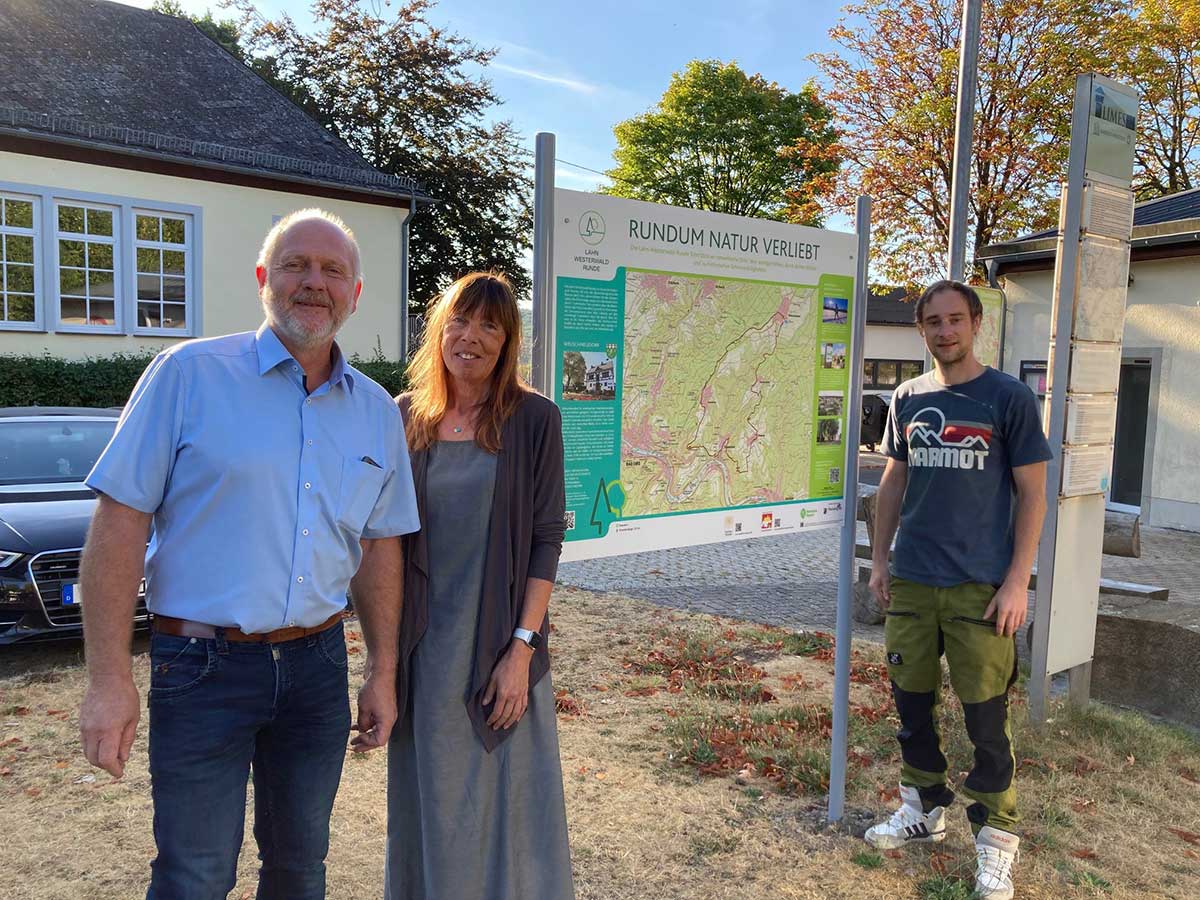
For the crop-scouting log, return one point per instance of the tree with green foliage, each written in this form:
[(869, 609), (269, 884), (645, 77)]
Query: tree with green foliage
[(725, 141), (892, 81), (1163, 62), (574, 371), (398, 90)]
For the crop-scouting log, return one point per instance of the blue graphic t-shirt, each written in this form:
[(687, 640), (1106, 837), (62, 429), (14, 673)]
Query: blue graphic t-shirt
[(961, 443)]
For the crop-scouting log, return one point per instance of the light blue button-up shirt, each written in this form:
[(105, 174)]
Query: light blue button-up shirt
[(259, 490)]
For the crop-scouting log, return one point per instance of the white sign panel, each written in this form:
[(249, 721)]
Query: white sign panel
[(1091, 420), (1095, 368), (1107, 211), (1086, 470), (1076, 589), (1103, 284), (1111, 136), (701, 364)]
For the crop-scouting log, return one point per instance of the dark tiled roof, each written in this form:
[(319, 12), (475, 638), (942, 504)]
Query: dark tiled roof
[(889, 309), (123, 78), (1171, 208)]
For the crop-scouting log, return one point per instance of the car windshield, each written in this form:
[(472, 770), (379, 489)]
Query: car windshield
[(51, 451)]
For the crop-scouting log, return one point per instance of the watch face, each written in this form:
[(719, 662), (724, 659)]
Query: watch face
[(535, 640)]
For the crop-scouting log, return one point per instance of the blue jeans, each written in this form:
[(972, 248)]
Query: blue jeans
[(219, 710)]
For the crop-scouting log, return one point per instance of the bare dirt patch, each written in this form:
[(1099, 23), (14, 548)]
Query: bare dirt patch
[(695, 755)]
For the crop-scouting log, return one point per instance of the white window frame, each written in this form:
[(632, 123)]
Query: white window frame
[(39, 268), (116, 241), (47, 299), (189, 269)]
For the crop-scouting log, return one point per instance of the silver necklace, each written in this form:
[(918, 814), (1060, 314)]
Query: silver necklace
[(458, 429)]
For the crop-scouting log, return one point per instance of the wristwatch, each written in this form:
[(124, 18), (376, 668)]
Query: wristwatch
[(532, 638)]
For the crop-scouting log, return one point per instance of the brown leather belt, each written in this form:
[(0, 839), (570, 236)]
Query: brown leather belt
[(186, 628)]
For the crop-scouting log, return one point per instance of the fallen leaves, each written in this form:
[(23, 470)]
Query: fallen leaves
[(1190, 836), (1084, 854), (565, 704)]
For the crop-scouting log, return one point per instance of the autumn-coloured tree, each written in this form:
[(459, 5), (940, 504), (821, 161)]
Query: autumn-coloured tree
[(725, 141), (1163, 62), (893, 84), (401, 92)]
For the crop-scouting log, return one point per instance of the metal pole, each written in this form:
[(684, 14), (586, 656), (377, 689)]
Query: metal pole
[(1064, 287), (543, 262), (841, 667), (404, 281), (964, 130)]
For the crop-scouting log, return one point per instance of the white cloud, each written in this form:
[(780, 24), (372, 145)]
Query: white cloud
[(571, 84)]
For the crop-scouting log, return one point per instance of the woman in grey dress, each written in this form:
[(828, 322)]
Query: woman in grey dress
[(475, 796)]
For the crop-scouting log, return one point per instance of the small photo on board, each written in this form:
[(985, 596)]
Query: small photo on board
[(834, 310), (829, 403), (829, 431), (833, 356), (588, 375)]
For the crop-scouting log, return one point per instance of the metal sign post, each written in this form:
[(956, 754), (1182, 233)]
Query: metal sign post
[(1087, 327), (845, 597), (964, 132), (542, 369)]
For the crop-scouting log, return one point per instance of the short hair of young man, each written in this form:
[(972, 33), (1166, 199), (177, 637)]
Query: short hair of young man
[(974, 304)]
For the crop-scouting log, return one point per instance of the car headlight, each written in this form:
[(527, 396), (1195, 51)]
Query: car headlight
[(8, 557)]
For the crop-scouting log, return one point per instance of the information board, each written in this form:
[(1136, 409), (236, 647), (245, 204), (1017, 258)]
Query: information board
[(701, 363)]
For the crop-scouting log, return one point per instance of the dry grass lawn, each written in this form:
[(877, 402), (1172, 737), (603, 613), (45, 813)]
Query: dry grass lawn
[(695, 754)]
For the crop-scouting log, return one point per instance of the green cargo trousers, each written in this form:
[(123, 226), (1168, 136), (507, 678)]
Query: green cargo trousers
[(924, 622)]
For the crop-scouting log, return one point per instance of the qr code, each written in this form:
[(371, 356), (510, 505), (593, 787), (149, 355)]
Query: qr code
[(835, 476), (569, 520)]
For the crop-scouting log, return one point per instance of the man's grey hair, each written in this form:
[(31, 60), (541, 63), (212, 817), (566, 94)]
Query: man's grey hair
[(267, 251)]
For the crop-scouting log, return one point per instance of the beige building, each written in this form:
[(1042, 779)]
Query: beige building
[(1156, 457), (140, 166)]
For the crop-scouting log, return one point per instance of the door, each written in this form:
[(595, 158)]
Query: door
[(1129, 444)]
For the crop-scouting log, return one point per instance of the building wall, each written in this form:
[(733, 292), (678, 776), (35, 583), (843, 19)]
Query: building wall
[(234, 220), (1162, 313), (894, 342)]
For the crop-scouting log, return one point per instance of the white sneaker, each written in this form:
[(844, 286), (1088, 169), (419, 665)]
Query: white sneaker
[(908, 824), (995, 853)]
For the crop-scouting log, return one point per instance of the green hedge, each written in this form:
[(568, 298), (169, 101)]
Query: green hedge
[(49, 381), (46, 380)]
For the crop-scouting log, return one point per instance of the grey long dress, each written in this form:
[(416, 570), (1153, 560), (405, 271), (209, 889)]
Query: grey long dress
[(464, 824)]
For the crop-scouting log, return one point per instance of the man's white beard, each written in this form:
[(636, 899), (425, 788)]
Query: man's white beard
[(280, 317)]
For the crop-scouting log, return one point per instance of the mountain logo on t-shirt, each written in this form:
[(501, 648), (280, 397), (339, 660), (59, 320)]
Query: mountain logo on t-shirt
[(934, 442)]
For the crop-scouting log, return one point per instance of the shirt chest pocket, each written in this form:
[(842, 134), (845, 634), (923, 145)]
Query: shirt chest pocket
[(361, 484)]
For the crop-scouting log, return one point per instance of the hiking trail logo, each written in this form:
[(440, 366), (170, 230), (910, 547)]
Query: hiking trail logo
[(591, 227), (936, 443)]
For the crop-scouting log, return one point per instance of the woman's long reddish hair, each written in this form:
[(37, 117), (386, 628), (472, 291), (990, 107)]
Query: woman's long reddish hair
[(491, 294)]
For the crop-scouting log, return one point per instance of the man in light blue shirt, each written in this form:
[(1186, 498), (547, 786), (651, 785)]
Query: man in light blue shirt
[(273, 473)]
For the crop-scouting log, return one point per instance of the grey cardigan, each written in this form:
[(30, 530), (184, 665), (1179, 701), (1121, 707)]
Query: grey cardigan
[(524, 541)]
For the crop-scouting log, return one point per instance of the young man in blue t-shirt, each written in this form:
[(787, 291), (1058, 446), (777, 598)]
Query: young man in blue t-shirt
[(965, 482)]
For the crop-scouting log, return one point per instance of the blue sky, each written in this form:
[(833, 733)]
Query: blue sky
[(576, 69)]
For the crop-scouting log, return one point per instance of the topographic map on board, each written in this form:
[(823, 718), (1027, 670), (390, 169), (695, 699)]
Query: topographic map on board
[(709, 392)]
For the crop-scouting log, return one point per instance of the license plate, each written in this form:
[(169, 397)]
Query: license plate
[(71, 595)]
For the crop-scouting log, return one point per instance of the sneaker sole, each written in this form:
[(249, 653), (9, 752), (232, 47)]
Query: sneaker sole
[(895, 843)]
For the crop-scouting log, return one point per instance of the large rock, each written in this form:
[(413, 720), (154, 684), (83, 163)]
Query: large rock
[(1150, 665), (866, 608)]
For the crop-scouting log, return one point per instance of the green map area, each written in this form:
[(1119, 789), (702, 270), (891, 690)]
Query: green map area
[(713, 412)]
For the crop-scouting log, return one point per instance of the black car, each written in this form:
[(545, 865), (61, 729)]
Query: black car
[(45, 453)]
